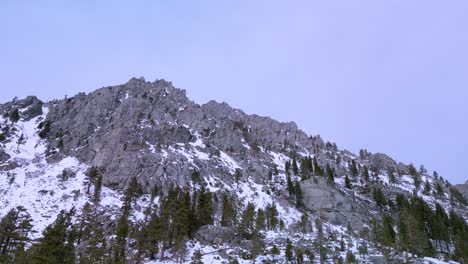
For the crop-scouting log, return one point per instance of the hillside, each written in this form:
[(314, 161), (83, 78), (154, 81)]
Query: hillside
[(138, 173)]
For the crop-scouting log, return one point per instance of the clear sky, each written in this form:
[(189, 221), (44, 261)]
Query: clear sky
[(388, 76)]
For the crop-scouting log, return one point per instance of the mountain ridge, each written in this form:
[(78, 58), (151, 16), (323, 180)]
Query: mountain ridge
[(151, 132)]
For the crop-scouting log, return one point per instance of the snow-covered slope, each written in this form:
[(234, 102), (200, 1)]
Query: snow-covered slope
[(43, 188)]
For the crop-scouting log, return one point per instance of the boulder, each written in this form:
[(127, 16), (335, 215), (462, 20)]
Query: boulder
[(215, 235)]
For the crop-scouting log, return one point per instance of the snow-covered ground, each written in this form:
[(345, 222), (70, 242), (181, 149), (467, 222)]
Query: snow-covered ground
[(43, 189)]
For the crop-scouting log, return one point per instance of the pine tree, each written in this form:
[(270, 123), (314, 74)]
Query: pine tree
[(317, 169), (228, 217), (14, 229), (290, 185), (14, 116), (319, 242), (365, 173), (299, 256), (379, 198), (350, 258), (246, 227), (347, 183), (288, 251), (388, 232), (271, 215), (294, 166), (330, 174), (57, 244), (298, 193), (287, 167), (353, 169), (274, 252), (197, 257)]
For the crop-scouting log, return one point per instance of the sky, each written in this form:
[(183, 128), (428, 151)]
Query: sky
[(387, 76)]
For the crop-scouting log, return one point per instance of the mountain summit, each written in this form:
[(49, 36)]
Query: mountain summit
[(138, 173)]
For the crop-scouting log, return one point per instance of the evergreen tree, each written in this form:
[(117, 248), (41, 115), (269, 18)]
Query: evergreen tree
[(350, 258), (57, 244), (391, 176), (299, 256), (294, 166), (290, 186), (379, 197), (388, 232), (320, 242), (246, 226), (197, 257), (365, 173), (14, 116), (330, 174), (347, 183), (228, 217), (298, 193), (288, 251), (14, 229), (317, 169), (353, 169), (274, 252), (271, 215)]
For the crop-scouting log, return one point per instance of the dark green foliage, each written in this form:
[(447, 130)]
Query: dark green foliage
[(365, 173), (274, 252), (353, 169), (271, 216), (439, 189), (197, 257), (306, 168), (205, 208), (290, 186), (298, 193), (295, 168), (310, 255), (196, 177), (317, 169), (247, 223), (228, 218), (379, 197), (45, 126), (391, 176), (14, 229), (14, 116), (57, 244), (388, 233), (287, 167), (457, 197), (427, 187), (347, 183), (299, 256), (288, 253), (238, 174), (350, 258), (330, 174)]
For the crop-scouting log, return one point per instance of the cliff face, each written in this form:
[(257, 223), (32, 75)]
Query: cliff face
[(152, 131)]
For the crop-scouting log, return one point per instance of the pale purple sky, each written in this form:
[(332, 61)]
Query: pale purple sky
[(388, 76)]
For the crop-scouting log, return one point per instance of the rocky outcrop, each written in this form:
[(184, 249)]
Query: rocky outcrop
[(333, 205), (31, 105), (153, 131), (215, 235), (463, 189)]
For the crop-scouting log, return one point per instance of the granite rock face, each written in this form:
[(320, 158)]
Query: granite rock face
[(154, 132), (334, 206)]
